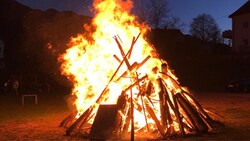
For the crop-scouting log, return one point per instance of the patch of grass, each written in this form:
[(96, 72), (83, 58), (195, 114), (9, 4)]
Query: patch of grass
[(12, 109), (40, 122), (237, 112)]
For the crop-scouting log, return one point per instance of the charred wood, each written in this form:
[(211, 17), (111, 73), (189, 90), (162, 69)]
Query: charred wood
[(192, 114)]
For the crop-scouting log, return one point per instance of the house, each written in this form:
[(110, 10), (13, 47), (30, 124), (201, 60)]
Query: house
[(241, 28)]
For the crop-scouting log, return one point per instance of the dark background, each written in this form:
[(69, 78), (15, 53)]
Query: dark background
[(26, 33)]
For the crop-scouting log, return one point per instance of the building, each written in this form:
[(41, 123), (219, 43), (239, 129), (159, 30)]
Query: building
[(241, 28)]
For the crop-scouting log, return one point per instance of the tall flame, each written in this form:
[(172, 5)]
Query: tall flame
[(90, 63)]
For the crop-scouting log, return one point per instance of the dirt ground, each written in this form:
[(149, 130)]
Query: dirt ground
[(40, 122)]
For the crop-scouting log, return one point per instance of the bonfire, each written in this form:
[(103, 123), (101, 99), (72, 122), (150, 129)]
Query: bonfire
[(123, 88)]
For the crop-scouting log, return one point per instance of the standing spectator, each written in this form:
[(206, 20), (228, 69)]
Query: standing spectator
[(15, 87), (7, 87)]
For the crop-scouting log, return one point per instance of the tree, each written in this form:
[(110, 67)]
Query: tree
[(173, 23), (159, 12), (153, 12), (205, 28)]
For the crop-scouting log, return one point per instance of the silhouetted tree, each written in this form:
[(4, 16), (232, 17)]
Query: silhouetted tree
[(205, 28), (173, 23), (153, 12), (159, 10)]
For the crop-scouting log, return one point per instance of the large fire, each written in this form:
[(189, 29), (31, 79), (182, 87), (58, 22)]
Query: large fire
[(116, 60), (91, 64)]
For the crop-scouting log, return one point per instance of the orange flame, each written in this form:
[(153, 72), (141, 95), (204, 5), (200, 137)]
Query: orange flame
[(90, 64)]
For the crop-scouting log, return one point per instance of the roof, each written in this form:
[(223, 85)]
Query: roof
[(244, 9)]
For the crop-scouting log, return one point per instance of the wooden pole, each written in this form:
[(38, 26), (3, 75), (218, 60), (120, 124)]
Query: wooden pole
[(136, 83), (135, 66), (162, 103), (197, 104), (192, 114), (158, 124), (178, 116), (117, 58), (132, 44), (122, 53), (144, 112), (132, 116), (67, 120)]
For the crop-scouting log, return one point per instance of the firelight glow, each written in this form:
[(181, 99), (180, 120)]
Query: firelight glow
[(90, 63)]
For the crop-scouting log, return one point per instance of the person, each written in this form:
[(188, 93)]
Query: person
[(6, 87), (15, 87)]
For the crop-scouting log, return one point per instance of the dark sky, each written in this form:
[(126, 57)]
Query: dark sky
[(186, 10)]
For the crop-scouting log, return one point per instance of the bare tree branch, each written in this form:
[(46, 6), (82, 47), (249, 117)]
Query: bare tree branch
[(205, 28)]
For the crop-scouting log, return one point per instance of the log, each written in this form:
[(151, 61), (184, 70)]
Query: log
[(117, 58), (169, 102), (79, 121), (152, 114), (193, 115), (197, 104), (144, 112), (136, 83), (121, 101), (206, 118), (132, 134), (135, 66), (127, 122), (87, 119), (149, 88), (168, 114), (122, 53), (162, 103), (178, 116), (66, 120), (132, 44), (170, 131)]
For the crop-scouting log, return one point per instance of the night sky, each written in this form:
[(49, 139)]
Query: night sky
[(186, 10)]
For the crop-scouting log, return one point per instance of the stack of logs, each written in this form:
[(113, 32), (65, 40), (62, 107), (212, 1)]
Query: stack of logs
[(180, 113)]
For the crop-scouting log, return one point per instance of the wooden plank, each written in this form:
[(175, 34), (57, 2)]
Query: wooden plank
[(152, 114), (162, 103), (122, 53), (192, 114), (178, 116), (104, 123), (135, 66), (64, 123)]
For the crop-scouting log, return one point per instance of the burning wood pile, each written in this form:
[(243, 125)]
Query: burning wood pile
[(123, 88), (174, 111)]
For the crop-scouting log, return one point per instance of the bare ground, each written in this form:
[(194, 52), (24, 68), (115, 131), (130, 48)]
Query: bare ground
[(40, 122)]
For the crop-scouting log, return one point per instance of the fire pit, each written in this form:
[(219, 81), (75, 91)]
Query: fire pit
[(123, 88)]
